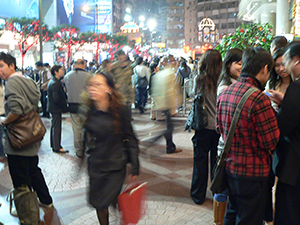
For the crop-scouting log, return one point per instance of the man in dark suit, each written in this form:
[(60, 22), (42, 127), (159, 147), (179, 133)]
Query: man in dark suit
[(57, 104), (287, 154)]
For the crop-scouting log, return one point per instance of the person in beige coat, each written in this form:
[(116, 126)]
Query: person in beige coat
[(164, 92)]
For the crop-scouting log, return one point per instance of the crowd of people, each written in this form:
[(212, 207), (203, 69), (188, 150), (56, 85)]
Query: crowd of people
[(265, 144)]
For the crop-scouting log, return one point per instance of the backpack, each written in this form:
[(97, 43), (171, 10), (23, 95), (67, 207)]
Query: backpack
[(198, 116), (140, 82)]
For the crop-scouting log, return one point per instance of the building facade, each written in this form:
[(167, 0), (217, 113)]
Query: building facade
[(175, 23), (162, 23), (224, 15), (266, 11)]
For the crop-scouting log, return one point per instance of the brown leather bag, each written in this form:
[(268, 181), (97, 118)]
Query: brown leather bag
[(27, 130)]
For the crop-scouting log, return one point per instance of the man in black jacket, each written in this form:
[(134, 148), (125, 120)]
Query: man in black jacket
[(57, 104)]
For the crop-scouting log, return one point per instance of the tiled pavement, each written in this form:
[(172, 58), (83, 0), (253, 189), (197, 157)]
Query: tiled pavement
[(168, 177)]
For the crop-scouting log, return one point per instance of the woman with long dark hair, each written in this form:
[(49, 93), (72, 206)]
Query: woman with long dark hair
[(206, 140), (279, 79), (108, 121), (231, 69)]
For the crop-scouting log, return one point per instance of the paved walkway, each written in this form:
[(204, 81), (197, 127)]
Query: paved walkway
[(168, 177)]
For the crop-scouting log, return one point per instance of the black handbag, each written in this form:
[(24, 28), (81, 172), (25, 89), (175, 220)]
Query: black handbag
[(141, 82), (198, 116), (219, 183)]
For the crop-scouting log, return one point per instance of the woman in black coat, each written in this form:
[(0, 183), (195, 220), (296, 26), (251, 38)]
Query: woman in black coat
[(57, 104), (112, 146)]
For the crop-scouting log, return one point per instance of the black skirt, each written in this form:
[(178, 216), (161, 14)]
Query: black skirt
[(105, 188)]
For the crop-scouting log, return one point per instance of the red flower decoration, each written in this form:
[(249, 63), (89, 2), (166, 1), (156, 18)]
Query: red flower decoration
[(242, 30)]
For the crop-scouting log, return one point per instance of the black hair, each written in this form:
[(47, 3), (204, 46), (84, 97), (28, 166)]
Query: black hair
[(231, 56), (39, 64), (46, 64), (293, 49), (255, 59), (153, 66), (156, 60), (54, 69), (274, 77), (8, 59), (139, 60), (183, 64), (279, 42)]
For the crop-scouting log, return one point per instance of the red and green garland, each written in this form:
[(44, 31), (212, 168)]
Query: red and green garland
[(65, 37), (251, 35), (23, 29)]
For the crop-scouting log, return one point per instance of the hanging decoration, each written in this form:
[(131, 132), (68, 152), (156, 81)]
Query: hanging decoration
[(26, 33), (65, 37)]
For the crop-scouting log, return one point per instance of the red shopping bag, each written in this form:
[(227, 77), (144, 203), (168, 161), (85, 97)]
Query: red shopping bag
[(131, 203)]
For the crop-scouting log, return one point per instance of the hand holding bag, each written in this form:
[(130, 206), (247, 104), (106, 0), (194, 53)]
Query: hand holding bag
[(25, 131), (131, 202), (219, 184)]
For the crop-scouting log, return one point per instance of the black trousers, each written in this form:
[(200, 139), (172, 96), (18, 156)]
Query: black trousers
[(247, 201), (55, 136), (287, 205), (44, 103), (204, 141), (25, 170), (169, 133)]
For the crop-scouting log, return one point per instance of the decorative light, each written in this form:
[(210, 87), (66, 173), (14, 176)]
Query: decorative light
[(142, 18), (85, 8), (151, 24), (127, 18)]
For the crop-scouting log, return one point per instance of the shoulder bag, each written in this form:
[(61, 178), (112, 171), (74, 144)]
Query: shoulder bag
[(140, 82), (218, 183), (27, 205), (198, 116), (27, 130)]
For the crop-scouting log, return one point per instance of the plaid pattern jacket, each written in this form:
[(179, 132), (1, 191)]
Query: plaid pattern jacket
[(256, 133)]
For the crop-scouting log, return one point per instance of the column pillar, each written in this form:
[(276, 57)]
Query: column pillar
[(269, 18), (283, 24)]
